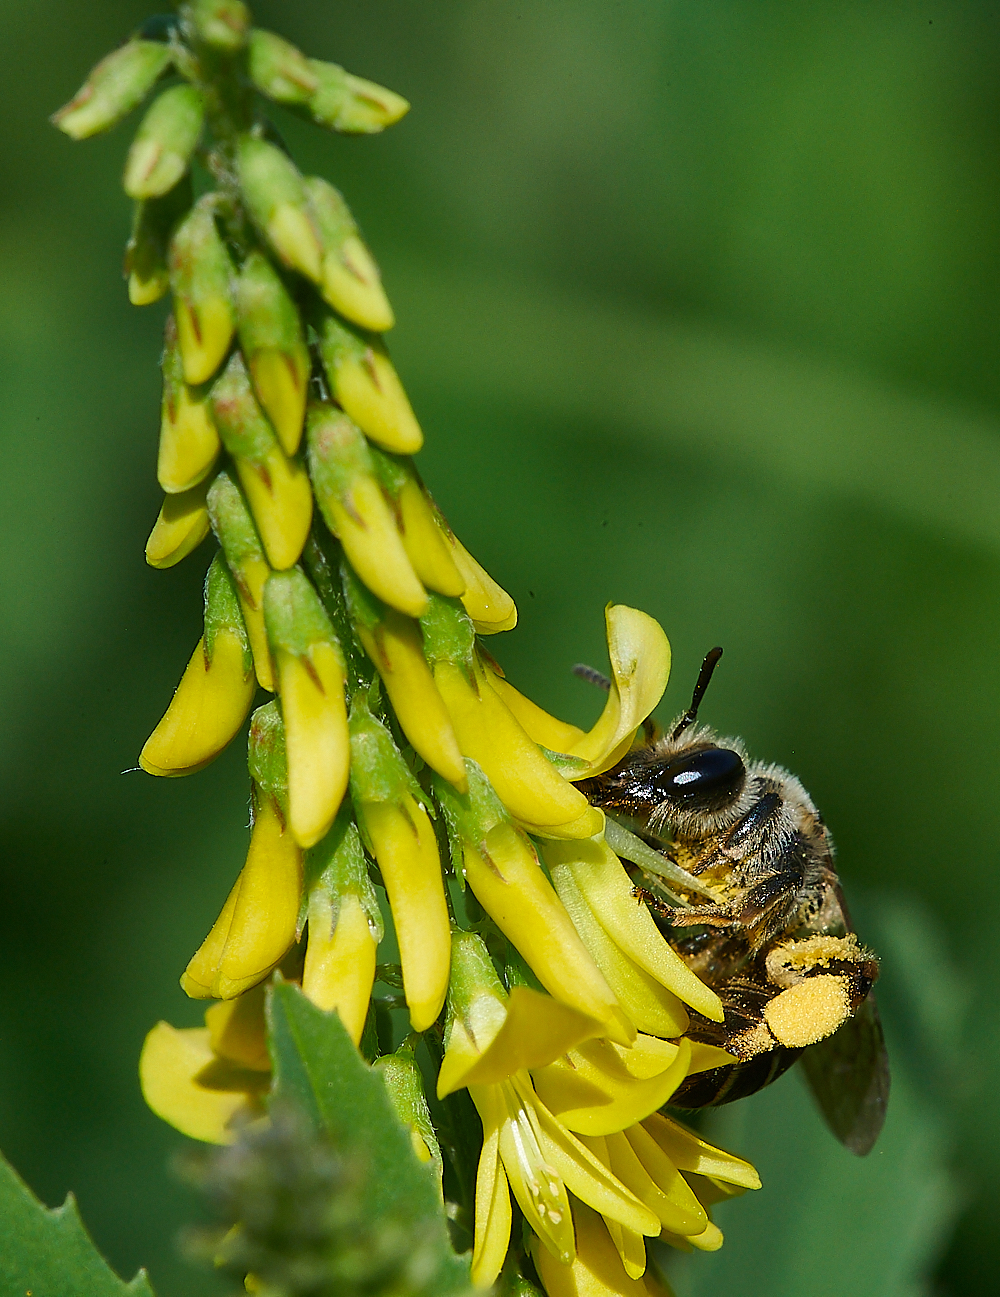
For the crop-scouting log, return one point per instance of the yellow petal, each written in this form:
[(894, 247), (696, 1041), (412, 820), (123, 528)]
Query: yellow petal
[(397, 649), (407, 854), (514, 892), (372, 395), (668, 1195), (293, 237), (646, 1003), (425, 542), (352, 286), (493, 1213), (556, 735), (529, 786), (237, 1030), (281, 380), (640, 666), (183, 1083), (207, 709), (487, 603), (199, 977), (339, 968), (181, 526), (592, 1092), (371, 540), (189, 441), (267, 906), (280, 499), (689, 1152), (316, 738), (597, 1270), (204, 332), (609, 893), (536, 1030), (251, 577)]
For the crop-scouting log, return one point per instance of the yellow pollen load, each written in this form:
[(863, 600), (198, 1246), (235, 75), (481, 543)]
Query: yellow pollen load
[(294, 239), (809, 1012), (280, 499), (352, 286), (316, 738), (204, 332), (179, 529), (281, 384), (339, 969), (406, 850), (209, 706)]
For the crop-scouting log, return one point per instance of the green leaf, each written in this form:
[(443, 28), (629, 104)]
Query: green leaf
[(49, 1253), (317, 1068)]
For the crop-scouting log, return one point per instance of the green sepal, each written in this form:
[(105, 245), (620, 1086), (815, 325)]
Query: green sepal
[(233, 524), (268, 178), (153, 222), (267, 318), (222, 610), (294, 615), (279, 70), (339, 340), (317, 1068), (379, 772), (320, 566), (337, 865), (393, 471), (512, 1282), (163, 145), (266, 756), (364, 608), (350, 104), (243, 426), (449, 635), (333, 217), (470, 816), (50, 1252), (114, 87), (473, 974), (221, 24), (405, 1086), (339, 454), (200, 267)]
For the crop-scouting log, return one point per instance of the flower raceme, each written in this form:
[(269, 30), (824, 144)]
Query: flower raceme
[(395, 773)]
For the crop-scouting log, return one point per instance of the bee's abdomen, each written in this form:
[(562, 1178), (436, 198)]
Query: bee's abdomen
[(726, 1084)]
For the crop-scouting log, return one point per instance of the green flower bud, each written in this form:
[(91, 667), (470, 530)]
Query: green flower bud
[(366, 384), (164, 142), (273, 342), (351, 105), (234, 528), (153, 224), (200, 275), (351, 281), (115, 86), (276, 198), (279, 70), (404, 1083), (276, 486), (221, 24)]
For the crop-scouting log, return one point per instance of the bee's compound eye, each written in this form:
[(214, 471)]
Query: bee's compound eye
[(704, 780)]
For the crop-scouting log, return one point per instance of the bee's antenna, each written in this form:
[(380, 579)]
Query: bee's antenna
[(592, 676), (704, 676)]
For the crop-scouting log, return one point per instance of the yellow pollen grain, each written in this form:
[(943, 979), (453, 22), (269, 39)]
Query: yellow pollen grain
[(809, 1012)]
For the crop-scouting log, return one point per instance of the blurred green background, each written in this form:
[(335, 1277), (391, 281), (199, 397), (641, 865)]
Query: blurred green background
[(697, 305)]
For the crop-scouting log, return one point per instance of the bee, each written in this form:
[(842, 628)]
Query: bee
[(775, 942)]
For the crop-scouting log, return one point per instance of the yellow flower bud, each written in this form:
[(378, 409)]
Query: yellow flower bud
[(366, 384), (215, 692), (189, 440), (351, 281), (263, 909), (164, 142), (200, 274), (339, 970), (181, 526), (153, 224), (406, 850), (356, 510), (350, 104), (276, 198), (419, 523), (276, 486), (273, 343), (113, 88), (490, 606), (234, 527)]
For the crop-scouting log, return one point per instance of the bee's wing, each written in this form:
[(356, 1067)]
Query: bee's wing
[(849, 1075)]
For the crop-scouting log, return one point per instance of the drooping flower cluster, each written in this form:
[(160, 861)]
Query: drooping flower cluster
[(394, 757)]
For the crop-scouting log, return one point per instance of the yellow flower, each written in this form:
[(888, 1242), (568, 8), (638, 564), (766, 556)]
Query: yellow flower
[(208, 1081)]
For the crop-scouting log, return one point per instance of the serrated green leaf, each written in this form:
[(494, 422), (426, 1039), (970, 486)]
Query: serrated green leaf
[(317, 1068), (49, 1253)]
